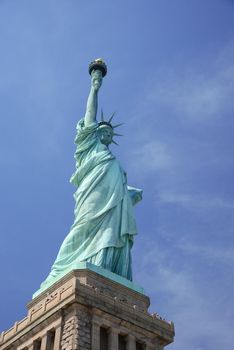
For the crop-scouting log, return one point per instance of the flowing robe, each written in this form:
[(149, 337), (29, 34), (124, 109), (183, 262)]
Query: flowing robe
[(104, 224)]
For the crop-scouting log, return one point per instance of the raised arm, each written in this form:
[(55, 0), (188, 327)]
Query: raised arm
[(92, 103)]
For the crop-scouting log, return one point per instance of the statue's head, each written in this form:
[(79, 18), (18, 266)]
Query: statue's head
[(105, 133), (106, 130), (96, 78)]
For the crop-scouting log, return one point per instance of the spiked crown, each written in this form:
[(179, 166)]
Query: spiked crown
[(108, 123)]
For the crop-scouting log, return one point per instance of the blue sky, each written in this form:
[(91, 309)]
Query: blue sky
[(171, 81)]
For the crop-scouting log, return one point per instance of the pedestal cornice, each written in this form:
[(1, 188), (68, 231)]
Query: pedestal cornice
[(104, 300)]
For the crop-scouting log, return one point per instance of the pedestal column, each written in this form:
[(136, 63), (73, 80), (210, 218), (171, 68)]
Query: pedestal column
[(113, 339), (131, 342), (44, 342), (57, 338), (95, 336)]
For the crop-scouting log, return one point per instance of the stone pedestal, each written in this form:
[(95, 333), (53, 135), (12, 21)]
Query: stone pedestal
[(86, 311)]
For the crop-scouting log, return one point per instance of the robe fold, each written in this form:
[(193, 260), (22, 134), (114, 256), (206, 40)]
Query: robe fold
[(104, 225)]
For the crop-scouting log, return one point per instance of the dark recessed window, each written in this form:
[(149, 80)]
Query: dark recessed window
[(139, 346), (103, 338), (122, 342), (37, 344), (50, 340)]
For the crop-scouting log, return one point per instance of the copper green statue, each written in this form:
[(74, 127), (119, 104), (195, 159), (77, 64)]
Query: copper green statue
[(104, 226)]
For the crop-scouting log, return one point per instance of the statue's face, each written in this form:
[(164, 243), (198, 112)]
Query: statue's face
[(105, 133), (97, 78)]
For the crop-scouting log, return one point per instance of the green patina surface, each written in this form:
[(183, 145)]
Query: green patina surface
[(104, 226), (103, 272)]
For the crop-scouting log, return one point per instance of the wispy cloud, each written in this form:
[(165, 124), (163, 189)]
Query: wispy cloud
[(209, 252), (191, 200), (198, 95), (186, 303), (152, 157)]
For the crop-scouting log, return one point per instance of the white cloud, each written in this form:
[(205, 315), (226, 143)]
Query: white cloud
[(152, 156), (209, 252), (199, 320), (198, 95), (194, 200)]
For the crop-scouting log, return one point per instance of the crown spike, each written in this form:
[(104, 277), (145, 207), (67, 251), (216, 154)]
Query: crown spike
[(116, 126), (115, 143), (109, 121), (115, 134)]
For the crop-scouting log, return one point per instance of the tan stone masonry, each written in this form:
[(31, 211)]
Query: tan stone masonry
[(70, 313)]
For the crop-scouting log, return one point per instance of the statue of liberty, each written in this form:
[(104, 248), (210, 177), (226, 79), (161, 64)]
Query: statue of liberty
[(104, 226)]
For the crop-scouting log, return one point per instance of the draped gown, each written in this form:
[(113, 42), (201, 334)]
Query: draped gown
[(104, 225)]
